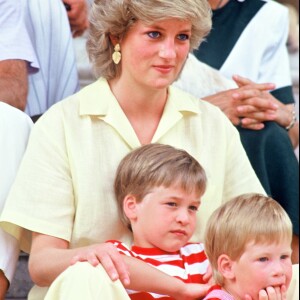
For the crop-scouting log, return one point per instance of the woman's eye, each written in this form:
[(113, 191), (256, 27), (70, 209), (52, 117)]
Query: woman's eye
[(183, 37), (154, 34)]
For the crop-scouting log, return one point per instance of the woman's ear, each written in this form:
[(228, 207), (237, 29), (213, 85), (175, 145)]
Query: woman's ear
[(130, 207), (114, 39), (225, 265)]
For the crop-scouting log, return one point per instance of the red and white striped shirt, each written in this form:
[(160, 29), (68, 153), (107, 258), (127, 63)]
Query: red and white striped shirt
[(188, 264)]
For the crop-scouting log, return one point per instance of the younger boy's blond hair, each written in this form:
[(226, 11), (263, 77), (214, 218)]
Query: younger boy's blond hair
[(157, 165), (247, 218)]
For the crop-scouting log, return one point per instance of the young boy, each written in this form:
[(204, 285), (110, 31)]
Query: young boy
[(158, 190), (248, 243)]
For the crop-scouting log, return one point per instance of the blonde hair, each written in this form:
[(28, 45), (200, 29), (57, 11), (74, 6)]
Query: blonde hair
[(157, 165), (116, 17), (247, 218)]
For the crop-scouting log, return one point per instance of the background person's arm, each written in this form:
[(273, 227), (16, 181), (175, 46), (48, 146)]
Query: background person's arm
[(14, 83), (3, 285)]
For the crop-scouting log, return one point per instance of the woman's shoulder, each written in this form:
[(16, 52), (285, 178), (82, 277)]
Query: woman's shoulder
[(73, 107)]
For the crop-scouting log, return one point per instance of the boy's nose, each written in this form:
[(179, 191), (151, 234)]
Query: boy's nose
[(183, 217), (278, 269)]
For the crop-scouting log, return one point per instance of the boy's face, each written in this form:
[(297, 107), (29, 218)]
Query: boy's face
[(261, 266), (165, 219)]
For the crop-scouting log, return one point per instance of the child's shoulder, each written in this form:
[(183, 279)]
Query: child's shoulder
[(216, 293), (192, 248)]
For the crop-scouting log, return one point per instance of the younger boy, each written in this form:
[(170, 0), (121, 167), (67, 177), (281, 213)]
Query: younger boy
[(248, 242)]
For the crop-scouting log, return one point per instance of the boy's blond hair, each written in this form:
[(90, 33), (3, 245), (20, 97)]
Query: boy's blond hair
[(247, 218), (157, 165)]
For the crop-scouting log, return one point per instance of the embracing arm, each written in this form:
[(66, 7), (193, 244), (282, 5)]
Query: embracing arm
[(144, 277), (14, 83), (50, 256)]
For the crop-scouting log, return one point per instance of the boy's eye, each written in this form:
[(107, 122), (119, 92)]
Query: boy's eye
[(283, 257), (193, 208), (263, 259), (183, 37), (172, 204), (154, 34)]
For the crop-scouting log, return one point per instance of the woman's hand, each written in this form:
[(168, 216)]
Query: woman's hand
[(50, 256), (278, 293), (108, 256), (78, 16)]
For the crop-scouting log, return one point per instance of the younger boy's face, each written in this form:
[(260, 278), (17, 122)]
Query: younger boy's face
[(165, 219), (262, 266)]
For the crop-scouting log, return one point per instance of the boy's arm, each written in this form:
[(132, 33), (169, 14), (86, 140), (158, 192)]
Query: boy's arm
[(144, 277)]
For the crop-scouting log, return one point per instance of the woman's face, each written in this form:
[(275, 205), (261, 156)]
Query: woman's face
[(153, 55)]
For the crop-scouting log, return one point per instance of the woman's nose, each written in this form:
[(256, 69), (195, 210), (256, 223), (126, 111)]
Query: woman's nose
[(167, 50)]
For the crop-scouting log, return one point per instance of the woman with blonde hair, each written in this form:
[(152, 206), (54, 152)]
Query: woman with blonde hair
[(62, 206)]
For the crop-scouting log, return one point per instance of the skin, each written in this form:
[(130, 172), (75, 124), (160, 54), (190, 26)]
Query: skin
[(152, 57), (264, 271), (3, 285), (175, 214), (253, 103), (78, 16), (14, 83)]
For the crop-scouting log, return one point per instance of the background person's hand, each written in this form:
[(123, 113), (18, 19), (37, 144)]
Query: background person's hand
[(260, 106), (78, 16), (236, 103)]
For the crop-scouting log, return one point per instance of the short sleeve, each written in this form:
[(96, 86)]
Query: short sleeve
[(15, 42)]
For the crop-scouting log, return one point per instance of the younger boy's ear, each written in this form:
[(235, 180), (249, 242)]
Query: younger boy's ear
[(130, 207), (225, 265)]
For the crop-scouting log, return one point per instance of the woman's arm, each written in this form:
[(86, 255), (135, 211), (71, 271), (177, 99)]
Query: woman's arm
[(50, 256)]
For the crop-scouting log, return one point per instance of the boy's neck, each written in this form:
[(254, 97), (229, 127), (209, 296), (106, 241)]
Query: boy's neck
[(230, 289)]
